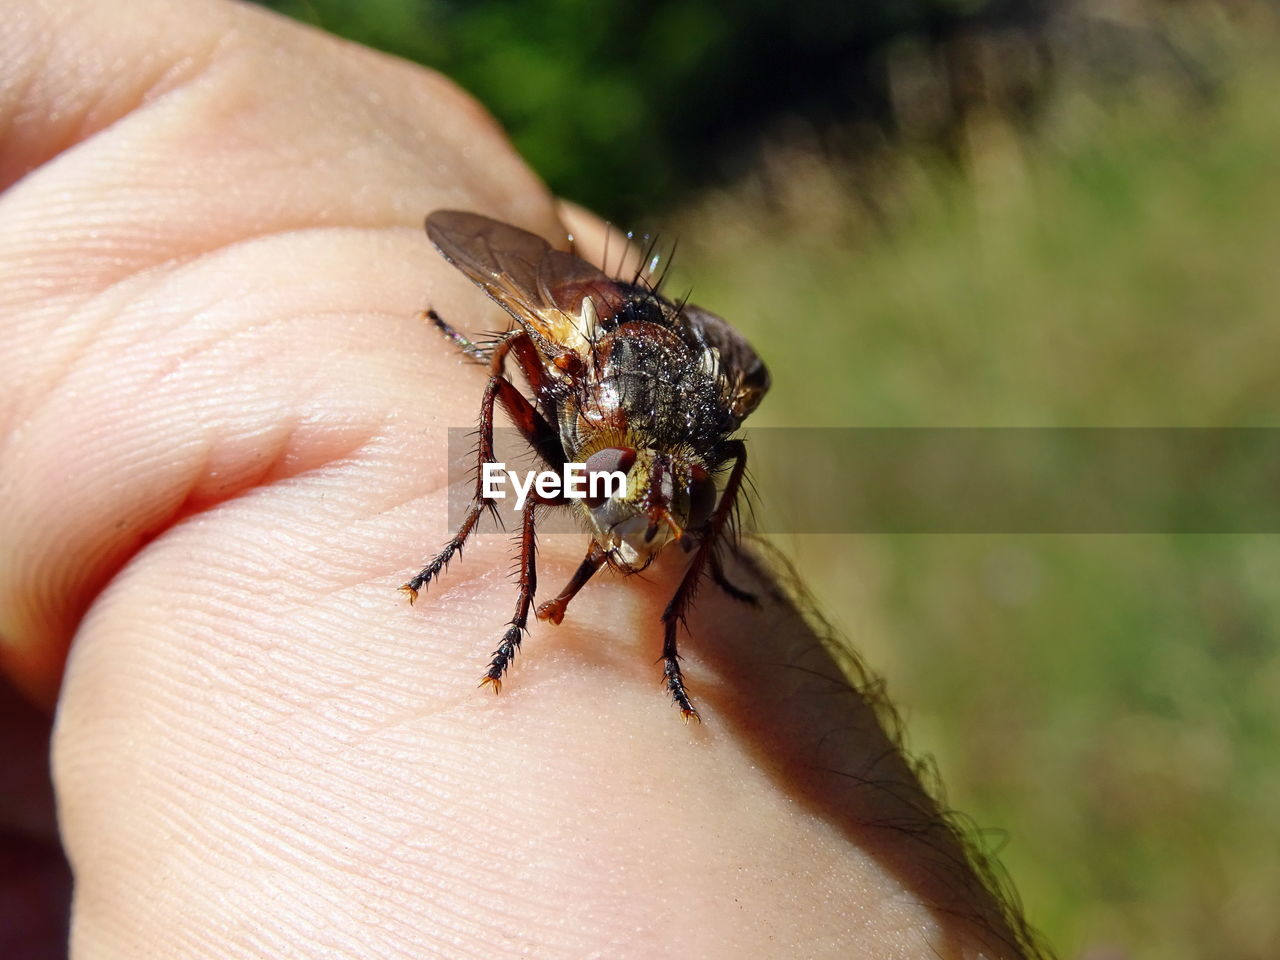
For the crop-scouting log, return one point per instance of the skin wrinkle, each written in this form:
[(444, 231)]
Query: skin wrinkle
[(91, 330), (184, 506), (284, 613), (218, 340), (269, 855), (277, 461), (163, 274), (272, 822), (170, 74)]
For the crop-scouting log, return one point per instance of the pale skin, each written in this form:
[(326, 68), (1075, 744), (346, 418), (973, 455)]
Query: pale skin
[(222, 449)]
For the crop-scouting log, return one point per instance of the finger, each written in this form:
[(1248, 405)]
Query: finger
[(197, 169)]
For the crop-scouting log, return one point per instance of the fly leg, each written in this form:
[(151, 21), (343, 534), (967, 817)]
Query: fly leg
[(518, 626), (531, 424), (510, 643), (553, 610), (678, 608), (481, 353)]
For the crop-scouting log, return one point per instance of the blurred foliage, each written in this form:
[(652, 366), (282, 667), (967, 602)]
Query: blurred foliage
[(627, 106)]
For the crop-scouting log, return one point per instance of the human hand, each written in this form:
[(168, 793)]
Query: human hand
[(223, 450)]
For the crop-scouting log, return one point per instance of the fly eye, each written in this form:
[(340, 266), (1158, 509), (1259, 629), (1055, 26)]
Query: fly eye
[(608, 460), (702, 497)]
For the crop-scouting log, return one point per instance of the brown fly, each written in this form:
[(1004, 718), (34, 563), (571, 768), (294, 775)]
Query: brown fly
[(621, 379)]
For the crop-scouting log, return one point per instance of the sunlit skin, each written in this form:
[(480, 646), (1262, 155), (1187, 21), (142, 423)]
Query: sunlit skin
[(224, 436)]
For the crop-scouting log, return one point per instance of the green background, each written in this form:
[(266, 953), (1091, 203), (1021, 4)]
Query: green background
[(951, 214)]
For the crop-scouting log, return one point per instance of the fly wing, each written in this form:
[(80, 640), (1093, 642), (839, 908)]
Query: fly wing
[(541, 287), (744, 374)]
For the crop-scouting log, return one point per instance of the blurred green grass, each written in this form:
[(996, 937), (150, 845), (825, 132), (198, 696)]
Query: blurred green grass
[(1111, 702)]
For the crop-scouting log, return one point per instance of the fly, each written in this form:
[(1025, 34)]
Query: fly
[(622, 380)]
